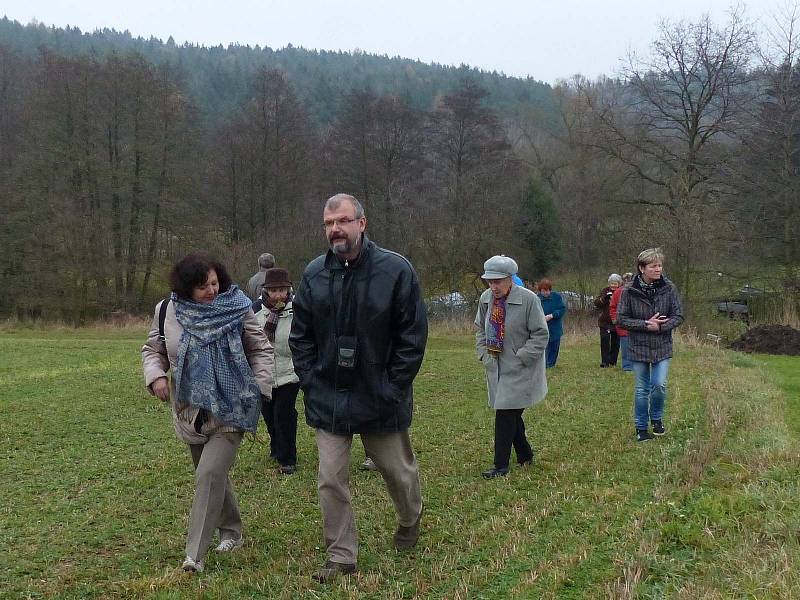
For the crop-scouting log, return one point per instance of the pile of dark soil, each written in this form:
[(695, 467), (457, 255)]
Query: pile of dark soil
[(770, 339)]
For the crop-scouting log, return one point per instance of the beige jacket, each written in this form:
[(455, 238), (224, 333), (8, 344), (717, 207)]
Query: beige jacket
[(284, 368), (158, 357)]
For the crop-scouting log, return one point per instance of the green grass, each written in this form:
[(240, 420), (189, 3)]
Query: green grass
[(785, 371), (96, 488)]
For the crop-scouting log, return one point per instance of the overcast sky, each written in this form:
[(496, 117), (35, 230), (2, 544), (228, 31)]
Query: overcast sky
[(546, 39)]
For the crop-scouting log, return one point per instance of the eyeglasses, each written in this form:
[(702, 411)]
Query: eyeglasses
[(340, 222)]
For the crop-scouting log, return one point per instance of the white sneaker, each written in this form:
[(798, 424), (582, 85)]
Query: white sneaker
[(190, 564), (368, 465), (230, 545)]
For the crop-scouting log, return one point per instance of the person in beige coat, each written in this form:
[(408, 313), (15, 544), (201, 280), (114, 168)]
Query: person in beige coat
[(221, 363), (274, 313), (511, 339)]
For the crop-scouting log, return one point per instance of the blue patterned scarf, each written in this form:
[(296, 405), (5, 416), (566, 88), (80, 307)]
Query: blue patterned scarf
[(212, 371)]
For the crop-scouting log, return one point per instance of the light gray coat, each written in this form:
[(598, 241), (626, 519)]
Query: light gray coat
[(515, 379)]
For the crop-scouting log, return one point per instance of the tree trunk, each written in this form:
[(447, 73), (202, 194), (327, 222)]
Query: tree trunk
[(136, 191), (116, 202)]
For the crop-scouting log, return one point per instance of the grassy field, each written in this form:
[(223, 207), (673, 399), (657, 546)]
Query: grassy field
[(96, 488)]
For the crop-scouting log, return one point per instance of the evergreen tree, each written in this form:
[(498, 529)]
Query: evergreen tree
[(540, 231)]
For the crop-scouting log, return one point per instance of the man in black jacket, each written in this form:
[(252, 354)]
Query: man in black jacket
[(358, 339)]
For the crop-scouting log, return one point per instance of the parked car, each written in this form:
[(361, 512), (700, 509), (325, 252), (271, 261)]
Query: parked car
[(733, 308), (576, 301), (449, 305), (737, 306)]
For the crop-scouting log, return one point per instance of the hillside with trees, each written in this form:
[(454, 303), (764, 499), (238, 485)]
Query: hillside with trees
[(118, 154)]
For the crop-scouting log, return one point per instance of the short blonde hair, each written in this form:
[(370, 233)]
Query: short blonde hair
[(648, 256)]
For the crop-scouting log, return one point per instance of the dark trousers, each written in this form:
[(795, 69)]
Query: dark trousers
[(280, 415), (509, 429), (609, 346), (552, 352)]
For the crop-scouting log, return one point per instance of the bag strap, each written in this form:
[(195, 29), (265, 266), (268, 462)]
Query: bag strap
[(162, 316)]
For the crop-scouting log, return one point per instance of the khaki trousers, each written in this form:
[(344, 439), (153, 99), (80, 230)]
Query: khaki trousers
[(395, 460), (214, 505)]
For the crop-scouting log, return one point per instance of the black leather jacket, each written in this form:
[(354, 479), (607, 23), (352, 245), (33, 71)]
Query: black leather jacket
[(375, 299)]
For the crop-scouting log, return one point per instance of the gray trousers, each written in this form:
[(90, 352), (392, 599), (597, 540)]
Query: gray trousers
[(214, 505), (395, 460)]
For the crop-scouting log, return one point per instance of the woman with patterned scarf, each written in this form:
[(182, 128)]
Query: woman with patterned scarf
[(650, 308), (511, 340), (274, 312), (221, 364)]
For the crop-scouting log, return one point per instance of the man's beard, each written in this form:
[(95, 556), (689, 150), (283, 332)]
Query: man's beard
[(343, 245)]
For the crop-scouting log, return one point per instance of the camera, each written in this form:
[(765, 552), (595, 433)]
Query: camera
[(346, 352)]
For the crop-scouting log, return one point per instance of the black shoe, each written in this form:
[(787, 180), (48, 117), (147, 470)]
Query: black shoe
[(603, 366), (406, 538), (287, 469), (642, 435), (495, 472), (658, 427), (332, 570), (526, 462)]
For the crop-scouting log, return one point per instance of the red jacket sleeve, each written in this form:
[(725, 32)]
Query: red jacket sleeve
[(612, 309)]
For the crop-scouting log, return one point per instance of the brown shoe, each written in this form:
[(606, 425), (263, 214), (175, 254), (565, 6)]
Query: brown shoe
[(332, 570), (406, 538)]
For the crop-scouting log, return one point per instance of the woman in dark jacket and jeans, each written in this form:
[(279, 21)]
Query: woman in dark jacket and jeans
[(650, 309)]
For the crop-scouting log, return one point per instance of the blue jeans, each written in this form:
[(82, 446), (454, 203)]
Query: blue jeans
[(650, 391), (627, 363), (552, 352)]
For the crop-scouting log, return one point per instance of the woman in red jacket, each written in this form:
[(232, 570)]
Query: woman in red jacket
[(622, 333)]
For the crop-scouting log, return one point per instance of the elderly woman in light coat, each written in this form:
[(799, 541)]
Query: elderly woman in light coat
[(511, 340)]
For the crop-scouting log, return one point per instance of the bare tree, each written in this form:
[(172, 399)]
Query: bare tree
[(375, 150), (583, 181), (472, 167), (669, 121), (171, 109), (768, 169), (283, 152)]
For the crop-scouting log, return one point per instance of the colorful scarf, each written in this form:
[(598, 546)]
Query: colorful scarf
[(211, 370), (271, 324), (273, 314), (649, 289), (496, 326)]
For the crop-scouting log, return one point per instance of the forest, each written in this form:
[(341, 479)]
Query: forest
[(120, 154)]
